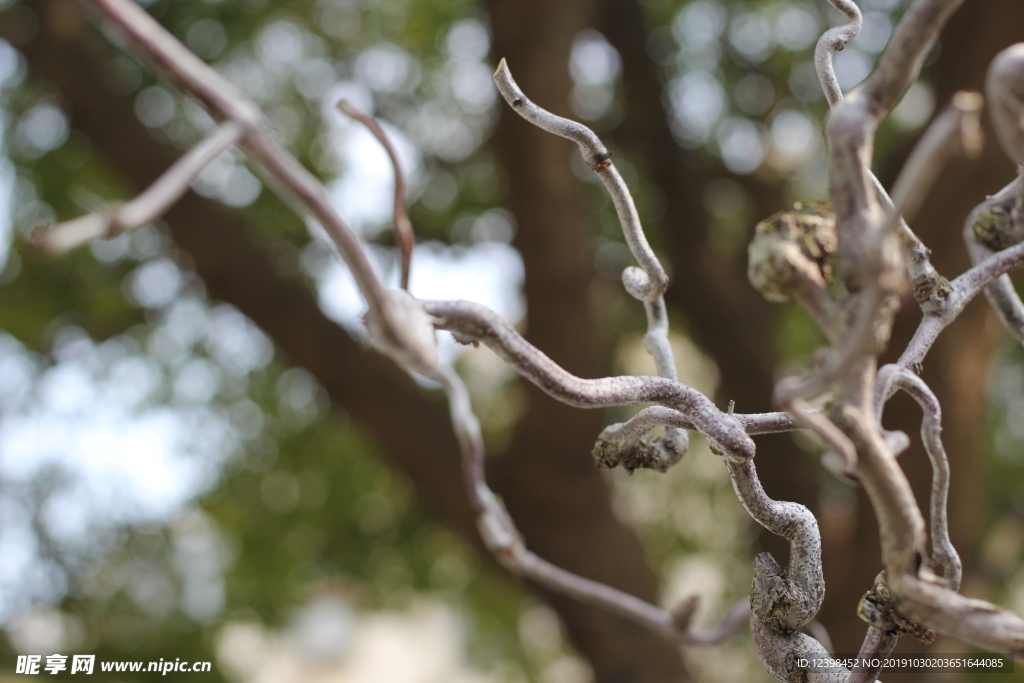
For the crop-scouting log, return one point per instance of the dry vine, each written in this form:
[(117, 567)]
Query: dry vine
[(875, 253)]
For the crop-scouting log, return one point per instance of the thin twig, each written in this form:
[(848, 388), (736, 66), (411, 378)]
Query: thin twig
[(803, 415), (832, 41), (648, 284), (147, 206), (988, 275), (783, 600), (925, 281), (403, 226), (943, 552)]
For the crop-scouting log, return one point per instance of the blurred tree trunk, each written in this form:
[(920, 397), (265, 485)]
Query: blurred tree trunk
[(727, 318), (550, 483)]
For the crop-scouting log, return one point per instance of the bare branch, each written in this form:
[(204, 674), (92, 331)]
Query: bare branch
[(1005, 89), (841, 459), (901, 61), (403, 227), (957, 131), (867, 265), (647, 284), (989, 223), (149, 205), (943, 552), (783, 600), (503, 539), (925, 280), (172, 60), (918, 596), (470, 322), (832, 41), (790, 260), (867, 257), (991, 227), (877, 646), (656, 342), (805, 587)]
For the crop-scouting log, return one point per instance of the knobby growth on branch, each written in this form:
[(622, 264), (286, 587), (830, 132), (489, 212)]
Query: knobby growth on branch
[(864, 240)]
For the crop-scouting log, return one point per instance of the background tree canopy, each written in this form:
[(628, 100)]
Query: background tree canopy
[(200, 458)]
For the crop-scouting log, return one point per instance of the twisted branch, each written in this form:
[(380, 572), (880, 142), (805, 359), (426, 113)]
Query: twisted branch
[(505, 542), (400, 216), (896, 377), (471, 322), (647, 284)]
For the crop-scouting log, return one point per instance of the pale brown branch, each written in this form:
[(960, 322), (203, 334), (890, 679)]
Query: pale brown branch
[(877, 646), (505, 542), (172, 60), (149, 205), (404, 234), (895, 377)]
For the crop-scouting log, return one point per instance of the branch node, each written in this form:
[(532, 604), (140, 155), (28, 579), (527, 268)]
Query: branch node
[(878, 608), (616, 446)]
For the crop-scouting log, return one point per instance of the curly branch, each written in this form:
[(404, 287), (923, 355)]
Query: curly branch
[(505, 542), (403, 227), (647, 284), (470, 322), (895, 377)]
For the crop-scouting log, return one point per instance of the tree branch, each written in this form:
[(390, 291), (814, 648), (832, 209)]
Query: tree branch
[(403, 227)]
